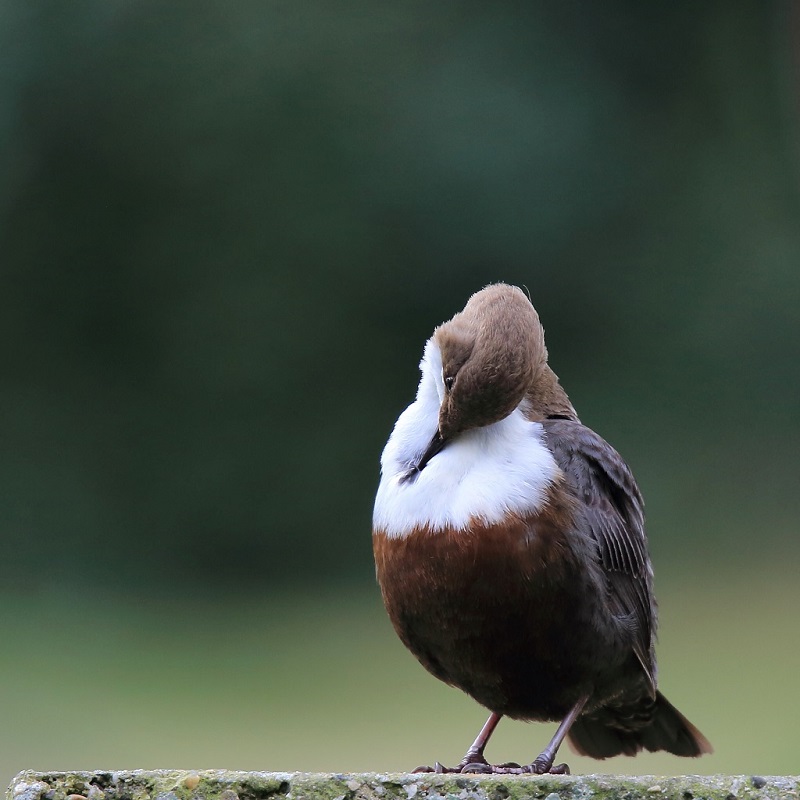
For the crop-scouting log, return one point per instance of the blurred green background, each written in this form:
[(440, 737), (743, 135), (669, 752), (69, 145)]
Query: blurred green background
[(226, 231)]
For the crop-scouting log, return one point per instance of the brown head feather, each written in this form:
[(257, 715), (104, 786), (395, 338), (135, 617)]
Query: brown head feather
[(494, 356)]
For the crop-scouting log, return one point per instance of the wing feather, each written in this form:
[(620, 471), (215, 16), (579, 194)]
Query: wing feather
[(614, 512)]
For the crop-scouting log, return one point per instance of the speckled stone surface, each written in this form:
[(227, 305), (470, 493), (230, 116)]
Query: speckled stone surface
[(227, 785)]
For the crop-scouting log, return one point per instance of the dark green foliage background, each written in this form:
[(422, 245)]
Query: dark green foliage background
[(226, 231)]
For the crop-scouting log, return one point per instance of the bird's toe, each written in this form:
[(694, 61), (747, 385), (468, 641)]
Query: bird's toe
[(479, 767)]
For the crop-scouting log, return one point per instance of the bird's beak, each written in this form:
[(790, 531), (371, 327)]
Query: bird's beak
[(435, 446), (437, 443)]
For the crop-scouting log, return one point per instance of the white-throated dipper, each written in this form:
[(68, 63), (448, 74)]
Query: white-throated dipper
[(510, 547)]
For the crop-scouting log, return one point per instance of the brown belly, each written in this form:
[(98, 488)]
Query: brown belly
[(506, 613)]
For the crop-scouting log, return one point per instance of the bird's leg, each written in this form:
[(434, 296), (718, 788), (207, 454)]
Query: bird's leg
[(544, 761), (473, 761)]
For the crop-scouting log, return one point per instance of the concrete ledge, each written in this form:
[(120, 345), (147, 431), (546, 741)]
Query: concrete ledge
[(225, 785)]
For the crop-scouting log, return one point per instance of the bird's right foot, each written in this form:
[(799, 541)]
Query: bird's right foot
[(472, 762)]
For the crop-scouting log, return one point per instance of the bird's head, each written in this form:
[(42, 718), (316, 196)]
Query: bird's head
[(492, 353)]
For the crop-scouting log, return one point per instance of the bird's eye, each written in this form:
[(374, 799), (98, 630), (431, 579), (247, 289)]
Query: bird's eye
[(449, 380)]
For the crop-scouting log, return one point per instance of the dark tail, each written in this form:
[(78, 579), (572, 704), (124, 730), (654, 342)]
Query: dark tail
[(625, 730)]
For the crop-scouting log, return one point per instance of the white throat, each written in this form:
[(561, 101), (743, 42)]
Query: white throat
[(483, 474)]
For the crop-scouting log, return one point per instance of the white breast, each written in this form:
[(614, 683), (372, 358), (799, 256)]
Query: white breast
[(484, 473)]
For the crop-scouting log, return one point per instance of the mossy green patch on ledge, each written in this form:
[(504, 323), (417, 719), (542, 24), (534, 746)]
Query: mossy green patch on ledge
[(228, 785)]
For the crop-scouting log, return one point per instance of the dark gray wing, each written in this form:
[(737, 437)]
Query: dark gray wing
[(614, 512)]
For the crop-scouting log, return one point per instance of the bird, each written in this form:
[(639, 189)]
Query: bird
[(510, 548)]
